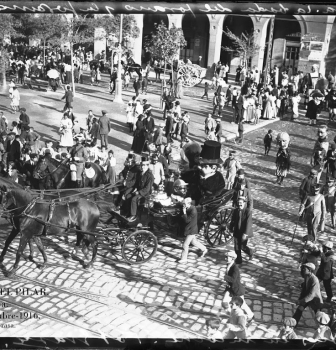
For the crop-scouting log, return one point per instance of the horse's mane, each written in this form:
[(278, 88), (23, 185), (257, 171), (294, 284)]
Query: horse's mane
[(9, 184)]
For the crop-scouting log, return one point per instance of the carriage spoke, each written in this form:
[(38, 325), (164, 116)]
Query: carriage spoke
[(218, 236), (210, 237)]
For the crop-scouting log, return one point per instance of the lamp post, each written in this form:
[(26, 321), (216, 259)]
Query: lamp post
[(111, 41), (118, 97)]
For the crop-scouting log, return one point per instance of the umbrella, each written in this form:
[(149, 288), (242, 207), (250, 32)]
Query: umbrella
[(53, 74)]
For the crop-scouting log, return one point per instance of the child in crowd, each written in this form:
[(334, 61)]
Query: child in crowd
[(287, 330), (126, 80), (213, 329), (268, 142), (236, 325), (14, 128), (206, 90), (323, 332), (129, 116)]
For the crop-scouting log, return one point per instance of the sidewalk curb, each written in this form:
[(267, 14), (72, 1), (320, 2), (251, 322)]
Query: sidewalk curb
[(233, 135)]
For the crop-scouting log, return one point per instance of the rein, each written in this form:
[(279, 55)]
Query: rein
[(51, 173)]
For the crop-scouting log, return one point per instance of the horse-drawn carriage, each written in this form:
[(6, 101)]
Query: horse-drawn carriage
[(213, 215)]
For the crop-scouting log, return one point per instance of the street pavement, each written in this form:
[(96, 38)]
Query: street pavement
[(161, 298)]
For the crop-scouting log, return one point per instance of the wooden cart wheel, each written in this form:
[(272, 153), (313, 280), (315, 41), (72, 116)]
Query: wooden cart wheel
[(216, 229), (190, 75), (139, 247)]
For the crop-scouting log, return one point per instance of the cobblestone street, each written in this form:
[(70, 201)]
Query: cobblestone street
[(162, 299)]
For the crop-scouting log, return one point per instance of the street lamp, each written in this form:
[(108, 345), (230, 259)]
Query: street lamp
[(118, 97)]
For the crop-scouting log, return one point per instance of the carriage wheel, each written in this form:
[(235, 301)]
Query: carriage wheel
[(217, 227), (190, 76), (139, 247)]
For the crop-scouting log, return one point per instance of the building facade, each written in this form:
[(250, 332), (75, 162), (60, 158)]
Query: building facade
[(298, 41)]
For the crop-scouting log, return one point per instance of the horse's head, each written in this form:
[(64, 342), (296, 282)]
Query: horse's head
[(6, 198)]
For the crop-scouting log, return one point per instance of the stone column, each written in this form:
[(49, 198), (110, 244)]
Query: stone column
[(176, 20), (260, 27), (215, 40), (137, 43), (99, 43)]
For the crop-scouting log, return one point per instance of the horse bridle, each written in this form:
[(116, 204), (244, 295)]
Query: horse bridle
[(4, 203)]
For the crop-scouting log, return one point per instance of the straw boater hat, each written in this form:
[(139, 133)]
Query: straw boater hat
[(210, 153)]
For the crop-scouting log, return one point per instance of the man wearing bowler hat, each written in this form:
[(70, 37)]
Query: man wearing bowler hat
[(104, 128), (241, 226), (211, 182)]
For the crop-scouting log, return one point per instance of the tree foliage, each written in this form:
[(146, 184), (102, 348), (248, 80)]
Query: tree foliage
[(245, 46), (111, 26), (9, 28), (165, 43)]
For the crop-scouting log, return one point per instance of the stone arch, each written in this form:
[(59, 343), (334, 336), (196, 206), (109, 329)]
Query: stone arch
[(149, 21), (238, 24), (196, 32)]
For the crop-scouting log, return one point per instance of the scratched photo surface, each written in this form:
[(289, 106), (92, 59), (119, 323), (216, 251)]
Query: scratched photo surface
[(124, 281)]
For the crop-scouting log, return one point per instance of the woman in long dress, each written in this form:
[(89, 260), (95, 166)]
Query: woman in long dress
[(179, 88), (250, 111), (15, 99), (139, 136), (269, 111), (66, 140)]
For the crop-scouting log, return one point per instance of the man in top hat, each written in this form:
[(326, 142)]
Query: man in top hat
[(211, 182), (142, 188), (241, 226), (79, 156), (325, 270), (307, 185), (315, 208), (218, 130), (104, 128), (24, 118), (232, 165), (310, 291)]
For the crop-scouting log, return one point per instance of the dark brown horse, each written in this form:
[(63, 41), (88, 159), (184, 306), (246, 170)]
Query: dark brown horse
[(61, 176), (35, 218)]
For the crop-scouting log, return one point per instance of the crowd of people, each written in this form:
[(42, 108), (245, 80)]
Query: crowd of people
[(23, 153)]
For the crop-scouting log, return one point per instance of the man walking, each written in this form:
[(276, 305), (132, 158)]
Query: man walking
[(68, 96), (241, 225), (104, 129), (315, 208), (189, 219), (308, 185), (310, 291)]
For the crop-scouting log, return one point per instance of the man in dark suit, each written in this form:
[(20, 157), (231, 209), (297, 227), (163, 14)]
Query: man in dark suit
[(234, 287), (325, 271), (169, 127), (189, 219), (307, 185), (136, 86), (142, 188), (28, 169), (12, 149), (240, 177), (68, 96), (104, 128), (149, 125), (218, 130), (310, 291), (241, 225)]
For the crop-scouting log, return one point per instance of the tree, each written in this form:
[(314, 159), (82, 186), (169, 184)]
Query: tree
[(245, 46), (42, 27), (111, 25), (75, 30), (165, 44), (9, 28)]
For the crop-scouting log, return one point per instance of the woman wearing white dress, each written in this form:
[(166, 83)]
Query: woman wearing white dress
[(15, 99), (66, 132), (11, 86), (295, 103), (249, 113), (270, 107)]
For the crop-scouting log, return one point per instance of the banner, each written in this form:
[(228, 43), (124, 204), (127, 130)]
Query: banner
[(61, 7)]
